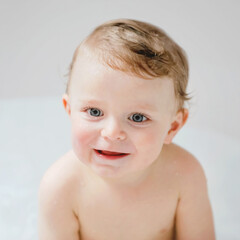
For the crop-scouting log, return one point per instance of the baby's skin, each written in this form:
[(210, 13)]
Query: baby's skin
[(154, 190), (171, 202)]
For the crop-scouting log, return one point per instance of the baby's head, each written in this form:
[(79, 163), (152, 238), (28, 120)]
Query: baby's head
[(125, 95), (138, 48)]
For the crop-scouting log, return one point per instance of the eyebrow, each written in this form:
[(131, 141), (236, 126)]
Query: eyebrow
[(145, 106)]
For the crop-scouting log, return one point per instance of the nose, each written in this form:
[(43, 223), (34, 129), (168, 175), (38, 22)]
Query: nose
[(113, 130)]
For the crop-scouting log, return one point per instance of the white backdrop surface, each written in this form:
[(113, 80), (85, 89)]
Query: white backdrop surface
[(38, 39), (37, 42)]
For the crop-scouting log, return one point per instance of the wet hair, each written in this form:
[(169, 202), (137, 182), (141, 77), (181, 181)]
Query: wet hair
[(138, 48)]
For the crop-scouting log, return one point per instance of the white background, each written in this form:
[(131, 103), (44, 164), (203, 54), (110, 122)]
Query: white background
[(37, 41)]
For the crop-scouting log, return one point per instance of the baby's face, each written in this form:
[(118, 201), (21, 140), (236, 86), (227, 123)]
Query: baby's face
[(114, 111)]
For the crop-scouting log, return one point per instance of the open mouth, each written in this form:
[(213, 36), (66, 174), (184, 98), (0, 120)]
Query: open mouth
[(109, 153)]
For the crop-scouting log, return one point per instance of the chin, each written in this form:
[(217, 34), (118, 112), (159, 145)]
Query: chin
[(107, 172)]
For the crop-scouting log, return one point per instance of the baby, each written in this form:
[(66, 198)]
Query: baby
[(124, 179)]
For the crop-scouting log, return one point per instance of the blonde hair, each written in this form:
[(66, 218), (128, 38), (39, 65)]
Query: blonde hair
[(139, 48)]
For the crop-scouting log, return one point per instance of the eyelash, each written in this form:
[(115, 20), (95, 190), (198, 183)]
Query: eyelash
[(147, 118)]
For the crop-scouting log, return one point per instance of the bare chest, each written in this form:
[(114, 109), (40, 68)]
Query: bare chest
[(148, 215)]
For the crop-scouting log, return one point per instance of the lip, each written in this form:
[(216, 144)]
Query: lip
[(110, 157)]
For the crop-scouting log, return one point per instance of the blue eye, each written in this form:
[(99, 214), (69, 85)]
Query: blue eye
[(94, 112), (137, 117)]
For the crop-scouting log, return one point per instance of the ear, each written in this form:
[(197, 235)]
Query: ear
[(66, 103), (178, 122)]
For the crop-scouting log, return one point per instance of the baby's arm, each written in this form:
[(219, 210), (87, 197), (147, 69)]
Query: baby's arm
[(57, 220), (194, 219)]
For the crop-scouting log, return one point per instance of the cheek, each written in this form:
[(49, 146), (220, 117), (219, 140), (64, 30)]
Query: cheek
[(82, 136), (150, 138), (149, 143)]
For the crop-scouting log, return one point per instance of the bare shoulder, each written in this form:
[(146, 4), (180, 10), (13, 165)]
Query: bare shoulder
[(61, 177), (177, 150), (186, 163), (62, 171), (56, 200), (194, 218), (186, 168)]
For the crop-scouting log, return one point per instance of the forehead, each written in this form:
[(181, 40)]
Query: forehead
[(91, 79)]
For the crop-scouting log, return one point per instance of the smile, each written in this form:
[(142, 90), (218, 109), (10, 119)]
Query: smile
[(108, 155)]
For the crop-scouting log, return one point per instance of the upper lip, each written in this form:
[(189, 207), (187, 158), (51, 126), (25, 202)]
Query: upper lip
[(111, 151)]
